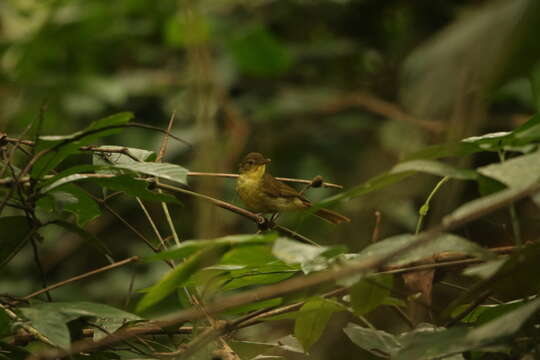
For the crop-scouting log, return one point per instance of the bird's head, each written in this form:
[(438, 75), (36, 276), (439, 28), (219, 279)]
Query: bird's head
[(254, 163)]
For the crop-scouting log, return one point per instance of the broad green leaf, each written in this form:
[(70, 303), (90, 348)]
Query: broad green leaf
[(505, 325), (440, 343), (124, 183), (16, 231), (434, 168), (485, 313), (520, 171), (63, 146), (258, 52), (294, 252), (378, 342), (368, 293), (76, 309), (259, 275), (373, 184), (187, 248), (453, 149), (442, 243), (172, 172), (400, 172), (429, 343), (252, 254), (51, 319), (73, 199), (482, 204), (134, 187), (312, 319), (181, 274)]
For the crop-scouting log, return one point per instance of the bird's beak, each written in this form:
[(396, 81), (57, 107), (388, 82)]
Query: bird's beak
[(268, 161)]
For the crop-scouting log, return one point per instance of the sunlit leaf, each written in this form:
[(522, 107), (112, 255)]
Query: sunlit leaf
[(520, 171), (294, 252)]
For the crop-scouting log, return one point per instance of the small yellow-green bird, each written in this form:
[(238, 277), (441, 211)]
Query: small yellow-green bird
[(262, 193)]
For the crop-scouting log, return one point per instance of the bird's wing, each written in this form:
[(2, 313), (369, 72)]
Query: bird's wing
[(276, 188)]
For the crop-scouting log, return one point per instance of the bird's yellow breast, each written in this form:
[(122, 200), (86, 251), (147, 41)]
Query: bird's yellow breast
[(248, 186)]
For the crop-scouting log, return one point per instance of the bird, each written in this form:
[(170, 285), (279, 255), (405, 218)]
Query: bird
[(262, 193)]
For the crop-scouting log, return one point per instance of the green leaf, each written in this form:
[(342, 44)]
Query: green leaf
[(375, 183), (294, 252), (312, 319), (520, 171), (482, 204), (172, 172), (426, 343), (434, 168), (73, 199), (454, 149), (368, 293), (400, 172), (63, 146), (259, 275), (505, 325), (51, 319), (134, 187), (442, 243), (181, 274), (187, 248), (440, 343), (257, 52), (485, 313), (16, 231), (378, 342)]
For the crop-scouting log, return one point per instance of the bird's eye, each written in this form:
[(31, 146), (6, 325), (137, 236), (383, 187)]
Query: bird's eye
[(250, 162)]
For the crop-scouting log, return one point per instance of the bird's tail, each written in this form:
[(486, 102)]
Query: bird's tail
[(331, 216)]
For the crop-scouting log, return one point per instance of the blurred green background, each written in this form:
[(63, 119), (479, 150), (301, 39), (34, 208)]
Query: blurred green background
[(338, 88)]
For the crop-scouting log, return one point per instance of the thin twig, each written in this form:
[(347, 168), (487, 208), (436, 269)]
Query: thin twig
[(300, 181), (83, 276), (152, 223)]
